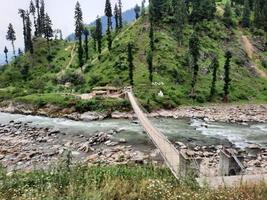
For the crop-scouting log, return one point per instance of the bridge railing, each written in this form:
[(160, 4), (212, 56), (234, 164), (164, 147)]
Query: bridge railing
[(167, 149)]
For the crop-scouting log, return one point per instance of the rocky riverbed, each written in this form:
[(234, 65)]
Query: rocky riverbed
[(218, 112), (25, 147)]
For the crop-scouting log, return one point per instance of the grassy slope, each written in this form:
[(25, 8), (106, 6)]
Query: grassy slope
[(171, 66), (170, 63), (114, 183)]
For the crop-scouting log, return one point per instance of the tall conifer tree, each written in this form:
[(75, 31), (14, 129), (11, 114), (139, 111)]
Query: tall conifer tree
[(6, 52), (11, 36), (227, 79), (48, 33), (29, 33), (108, 13), (42, 18), (116, 16), (79, 31), (22, 14), (120, 15), (32, 10), (130, 63), (37, 6), (99, 34), (214, 67), (137, 10), (86, 49), (194, 53), (246, 14), (227, 16), (180, 15)]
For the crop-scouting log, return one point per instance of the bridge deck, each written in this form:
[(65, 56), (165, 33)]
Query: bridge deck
[(167, 149)]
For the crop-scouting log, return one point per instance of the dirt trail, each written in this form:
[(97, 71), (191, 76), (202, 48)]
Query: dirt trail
[(250, 51), (72, 56)]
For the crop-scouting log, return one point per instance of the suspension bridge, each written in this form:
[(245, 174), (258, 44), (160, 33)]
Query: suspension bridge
[(176, 160)]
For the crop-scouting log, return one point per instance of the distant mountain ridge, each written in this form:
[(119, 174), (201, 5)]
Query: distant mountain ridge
[(128, 16)]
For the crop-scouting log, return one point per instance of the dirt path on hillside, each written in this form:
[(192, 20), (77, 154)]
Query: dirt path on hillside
[(72, 56), (250, 51)]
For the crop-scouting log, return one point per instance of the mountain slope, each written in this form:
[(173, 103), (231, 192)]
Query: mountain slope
[(47, 82)]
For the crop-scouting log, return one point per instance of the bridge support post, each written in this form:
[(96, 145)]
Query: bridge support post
[(189, 166), (228, 165)]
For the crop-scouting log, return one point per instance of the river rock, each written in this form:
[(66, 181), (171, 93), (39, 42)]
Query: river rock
[(86, 147), (92, 116), (122, 141), (121, 115)]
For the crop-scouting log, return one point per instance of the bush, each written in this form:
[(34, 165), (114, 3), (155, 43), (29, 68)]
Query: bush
[(70, 76)]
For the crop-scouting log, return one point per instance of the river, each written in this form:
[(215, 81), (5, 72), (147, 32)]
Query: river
[(191, 132)]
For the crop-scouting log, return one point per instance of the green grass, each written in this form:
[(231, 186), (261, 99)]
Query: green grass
[(114, 183)]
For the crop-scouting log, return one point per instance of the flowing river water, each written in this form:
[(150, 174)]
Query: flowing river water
[(192, 132)]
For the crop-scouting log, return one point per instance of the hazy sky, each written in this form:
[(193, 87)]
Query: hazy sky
[(61, 12)]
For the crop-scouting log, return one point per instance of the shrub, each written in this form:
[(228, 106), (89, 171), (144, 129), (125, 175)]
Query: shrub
[(70, 76)]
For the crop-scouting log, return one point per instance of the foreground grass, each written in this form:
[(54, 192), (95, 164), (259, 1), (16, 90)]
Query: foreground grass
[(114, 183)]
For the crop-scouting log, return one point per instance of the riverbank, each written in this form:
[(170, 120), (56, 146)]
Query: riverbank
[(26, 147), (229, 113)]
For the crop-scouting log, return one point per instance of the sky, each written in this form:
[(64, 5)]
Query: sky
[(60, 11)]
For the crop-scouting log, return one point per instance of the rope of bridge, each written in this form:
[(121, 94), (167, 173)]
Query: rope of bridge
[(170, 154)]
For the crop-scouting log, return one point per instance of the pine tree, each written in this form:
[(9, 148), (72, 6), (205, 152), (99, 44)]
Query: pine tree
[(155, 10), (32, 10), (11, 36), (48, 33), (29, 32), (204, 9), (137, 10), (149, 60), (22, 14), (79, 31), (6, 52), (37, 6), (260, 14), (120, 15), (130, 63), (180, 15), (93, 35), (29, 43), (42, 17), (214, 67), (60, 35), (86, 49), (143, 9), (99, 34), (108, 13), (116, 16), (19, 52), (194, 53), (227, 16), (246, 14), (227, 79)]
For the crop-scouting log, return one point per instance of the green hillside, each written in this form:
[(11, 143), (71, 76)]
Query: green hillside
[(32, 79)]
